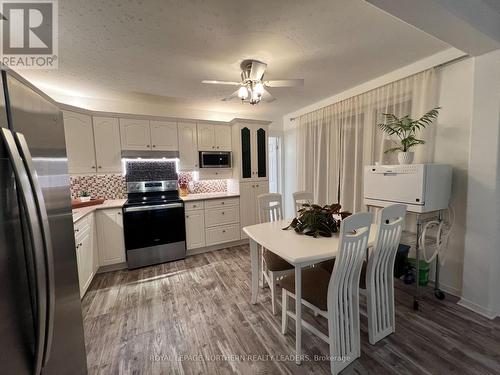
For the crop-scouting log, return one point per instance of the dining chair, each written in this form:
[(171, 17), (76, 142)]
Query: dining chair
[(380, 273), (335, 296), (273, 267), (301, 197)]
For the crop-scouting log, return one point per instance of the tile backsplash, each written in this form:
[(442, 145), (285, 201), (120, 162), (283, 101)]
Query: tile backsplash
[(203, 186), (112, 186), (107, 186), (143, 170)]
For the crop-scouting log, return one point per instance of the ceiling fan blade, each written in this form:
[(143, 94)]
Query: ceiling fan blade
[(221, 82), (267, 97), (257, 70), (230, 97), (284, 83)]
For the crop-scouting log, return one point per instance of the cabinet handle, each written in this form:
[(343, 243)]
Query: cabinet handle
[(257, 185), (119, 213), (187, 216), (154, 145), (99, 167), (223, 212), (253, 186), (93, 167), (148, 146), (223, 231), (222, 202), (77, 230)]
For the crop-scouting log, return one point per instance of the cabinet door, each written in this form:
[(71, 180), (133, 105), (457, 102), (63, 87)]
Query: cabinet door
[(222, 134), (135, 134), (246, 153), (206, 137), (79, 143), (107, 144), (248, 205), (260, 188), (195, 229), (188, 150), (84, 260), (110, 237), (164, 136), (261, 153)]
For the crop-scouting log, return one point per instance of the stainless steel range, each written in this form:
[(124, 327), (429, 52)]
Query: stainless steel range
[(153, 223)]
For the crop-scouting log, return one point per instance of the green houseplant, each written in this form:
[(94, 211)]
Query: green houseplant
[(405, 128), (84, 196), (314, 220)]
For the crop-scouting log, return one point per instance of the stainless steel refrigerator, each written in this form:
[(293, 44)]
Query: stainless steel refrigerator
[(41, 325)]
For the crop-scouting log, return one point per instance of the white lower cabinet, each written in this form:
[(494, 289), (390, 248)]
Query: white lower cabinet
[(85, 252), (249, 191), (195, 229), (110, 236), (212, 222), (221, 234)]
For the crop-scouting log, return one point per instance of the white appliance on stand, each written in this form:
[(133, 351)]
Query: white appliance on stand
[(424, 188)]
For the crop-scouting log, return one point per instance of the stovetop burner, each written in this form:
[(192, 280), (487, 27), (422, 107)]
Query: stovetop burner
[(152, 193)]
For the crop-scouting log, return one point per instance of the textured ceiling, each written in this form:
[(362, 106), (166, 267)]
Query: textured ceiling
[(159, 51)]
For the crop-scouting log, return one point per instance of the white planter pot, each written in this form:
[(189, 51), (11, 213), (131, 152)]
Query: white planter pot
[(84, 199), (406, 157)]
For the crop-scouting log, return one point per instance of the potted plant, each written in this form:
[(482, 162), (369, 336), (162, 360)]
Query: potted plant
[(84, 196), (314, 220), (405, 128)]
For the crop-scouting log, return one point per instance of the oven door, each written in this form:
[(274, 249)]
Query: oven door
[(214, 159), (153, 225)]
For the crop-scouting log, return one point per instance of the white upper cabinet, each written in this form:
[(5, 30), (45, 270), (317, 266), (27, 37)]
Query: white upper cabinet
[(251, 156), (214, 137), (188, 150), (222, 137), (135, 134), (206, 137), (164, 136), (79, 143), (107, 144)]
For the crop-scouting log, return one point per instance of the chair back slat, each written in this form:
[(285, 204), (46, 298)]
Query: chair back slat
[(301, 197), (343, 289), (270, 207), (380, 269)]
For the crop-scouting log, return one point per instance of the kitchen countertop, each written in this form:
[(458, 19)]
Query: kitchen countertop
[(79, 213), (204, 196)]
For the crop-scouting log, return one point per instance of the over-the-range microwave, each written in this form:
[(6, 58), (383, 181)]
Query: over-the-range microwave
[(215, 159)]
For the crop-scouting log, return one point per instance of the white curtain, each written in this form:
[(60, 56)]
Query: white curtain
[(334, 143)]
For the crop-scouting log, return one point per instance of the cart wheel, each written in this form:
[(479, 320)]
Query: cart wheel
[(415, 305), (439, 294)]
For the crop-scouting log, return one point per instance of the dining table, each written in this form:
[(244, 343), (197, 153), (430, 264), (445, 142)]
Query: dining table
[(297, 249)]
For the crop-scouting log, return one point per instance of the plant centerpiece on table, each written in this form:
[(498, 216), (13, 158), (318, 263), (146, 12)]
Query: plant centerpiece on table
[(405, 128), (314, 220)]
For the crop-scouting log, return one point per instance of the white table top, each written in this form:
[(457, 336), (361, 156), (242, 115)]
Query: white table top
[(296, 248)]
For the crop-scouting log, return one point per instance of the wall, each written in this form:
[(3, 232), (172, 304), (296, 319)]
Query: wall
[(452, 140), (481, 278), (451, 147)]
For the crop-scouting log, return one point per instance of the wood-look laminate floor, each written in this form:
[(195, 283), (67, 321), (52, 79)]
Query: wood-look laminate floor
[(194, 317)]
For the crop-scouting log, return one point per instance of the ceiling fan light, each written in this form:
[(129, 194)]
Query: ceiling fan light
[(259, 88), (243, 93)]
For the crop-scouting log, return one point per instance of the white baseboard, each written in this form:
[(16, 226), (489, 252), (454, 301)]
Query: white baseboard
[(488, 313), (206, 249), (448, 289)]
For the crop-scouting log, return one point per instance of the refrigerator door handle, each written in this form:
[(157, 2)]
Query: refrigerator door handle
[(36, 237), (44, 220)]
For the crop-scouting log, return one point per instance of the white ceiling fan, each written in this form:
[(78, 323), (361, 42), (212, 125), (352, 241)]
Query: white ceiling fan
[(253, 86)]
